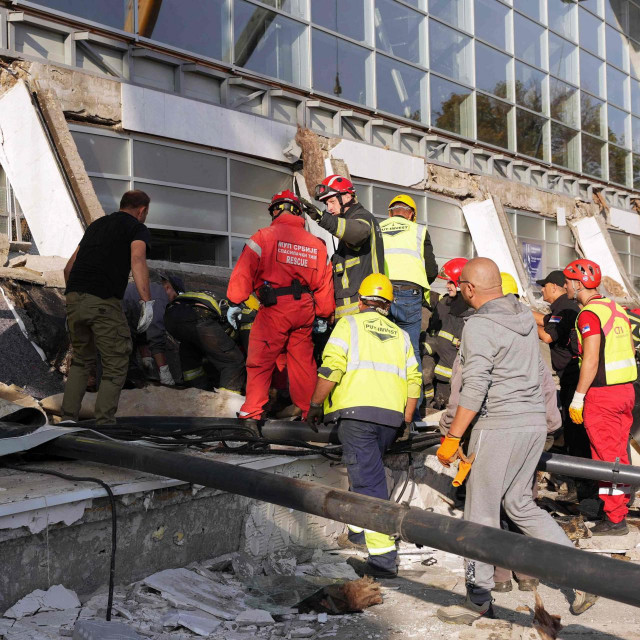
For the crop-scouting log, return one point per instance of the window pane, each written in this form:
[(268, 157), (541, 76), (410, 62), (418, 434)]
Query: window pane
[(450, 106), (453, 12), (563, 146), (492, 70), (590, 32), (592, 114), (593, 6), (634, 58), (343, 16), (615, 47), (187, 32), (109, 192), (616, 86), (247, 216), (102, 154), (491, 22), (382, 197), (192, 248), (617, 164), (398, 31), (592, 156), (492, 118), (294, 7), (529, 87), (253, 180), (591, 74), (636, 171), (184, 209), (562, 17), (450, 52), (528, 40), (268, 43), (109, 12), (533, 8), (339, 67), (634, 21), (620, 241), (451, 244), (617, 126), (615, 13), (401, 89), (168, 164), (563, 58), (530, 227), (636, 134), (564, 102), (530, 134), (635, 96), (445, 214), (566, 255)]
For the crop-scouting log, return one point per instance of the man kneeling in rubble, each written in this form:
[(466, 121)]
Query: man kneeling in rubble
[(501, 386)]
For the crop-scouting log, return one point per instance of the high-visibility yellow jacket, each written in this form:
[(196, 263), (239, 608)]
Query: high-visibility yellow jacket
[(618, 355), (404, 250), (372, 361), (202, 298)]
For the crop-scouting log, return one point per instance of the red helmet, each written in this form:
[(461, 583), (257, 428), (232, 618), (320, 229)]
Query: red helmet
[(285, 201), (586, 271), (333, 186), (452, 269)]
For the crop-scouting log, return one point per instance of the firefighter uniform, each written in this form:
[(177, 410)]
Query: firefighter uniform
[(287, 267), (195, 321), (372, 361), (608, 404)]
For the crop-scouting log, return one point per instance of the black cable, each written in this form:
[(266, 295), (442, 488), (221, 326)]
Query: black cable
[(406, 480), (112, 500)]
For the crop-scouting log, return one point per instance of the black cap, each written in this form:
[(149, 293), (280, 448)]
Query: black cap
[(557, 277), (175, 281)]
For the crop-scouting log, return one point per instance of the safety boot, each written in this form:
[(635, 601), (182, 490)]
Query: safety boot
[(503, 587), (582, 601), (607, 528), (528, 584), (363, 568), (466, 613)]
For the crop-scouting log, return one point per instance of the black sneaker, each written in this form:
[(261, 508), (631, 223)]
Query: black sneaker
[(607, 528), (466, 613), (363, 568)]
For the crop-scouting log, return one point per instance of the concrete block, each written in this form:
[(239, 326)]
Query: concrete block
[(102, 630), (258, 617)]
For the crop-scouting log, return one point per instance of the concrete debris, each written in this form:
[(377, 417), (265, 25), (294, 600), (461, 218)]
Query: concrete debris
[(102, 630), (301, 632), (280, 563), (259, 617), (4, 249), (201, 623), (574, 527), (342, 571), (57, 598), (246, 567)]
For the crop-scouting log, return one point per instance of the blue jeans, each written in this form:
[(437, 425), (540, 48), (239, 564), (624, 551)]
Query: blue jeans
[(363, 445), (406, 312)]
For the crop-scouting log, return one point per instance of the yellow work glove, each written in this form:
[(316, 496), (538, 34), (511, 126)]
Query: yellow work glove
[(464, 467), (448, 450), (577, 407)]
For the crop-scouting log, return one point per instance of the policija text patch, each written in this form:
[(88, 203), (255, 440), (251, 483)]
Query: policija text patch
[(297, 254)]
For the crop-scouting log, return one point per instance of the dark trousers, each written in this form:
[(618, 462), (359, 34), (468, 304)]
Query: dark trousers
[(363, 445), (201, 336)]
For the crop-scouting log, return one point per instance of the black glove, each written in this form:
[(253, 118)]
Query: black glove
[(315, 415), (311, 210)]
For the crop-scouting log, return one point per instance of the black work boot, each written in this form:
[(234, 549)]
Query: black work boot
[(466, 613), (363, 568), (607, 528)]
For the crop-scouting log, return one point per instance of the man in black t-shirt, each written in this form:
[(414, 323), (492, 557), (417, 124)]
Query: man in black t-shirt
[(96, 277)]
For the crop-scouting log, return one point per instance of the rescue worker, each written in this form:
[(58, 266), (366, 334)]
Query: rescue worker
[(500, 388), (558, 330), (360, 249), (195, 320), (287, 267), (96, 276), (369, 384), (604, 396), (410, 265), (444, 331)]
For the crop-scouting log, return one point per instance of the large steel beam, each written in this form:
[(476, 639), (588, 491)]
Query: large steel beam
[(564, 566)]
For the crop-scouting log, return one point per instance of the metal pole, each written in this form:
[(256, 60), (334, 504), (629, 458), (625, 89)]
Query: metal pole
[(564, 566)]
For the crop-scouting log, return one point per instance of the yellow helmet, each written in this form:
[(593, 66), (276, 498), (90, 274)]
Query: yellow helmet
[(252, 302), (509, 284), (376, 285), (403, 198)]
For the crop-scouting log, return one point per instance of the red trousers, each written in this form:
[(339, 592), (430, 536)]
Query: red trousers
[(286, 326), (608, 419)]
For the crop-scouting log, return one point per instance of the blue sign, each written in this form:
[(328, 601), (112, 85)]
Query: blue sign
[(532, 258)]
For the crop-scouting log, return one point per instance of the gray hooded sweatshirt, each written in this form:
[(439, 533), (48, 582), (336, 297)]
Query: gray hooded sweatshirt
[(502, 368)]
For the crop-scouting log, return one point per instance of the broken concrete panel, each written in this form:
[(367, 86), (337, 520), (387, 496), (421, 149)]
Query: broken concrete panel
[(313, 156), (627, 221), (35, 176), (374, 163), (160, 401), (171, 116), (201, 623), (259, 617), (451, 182), (102, 630), (68, 152)]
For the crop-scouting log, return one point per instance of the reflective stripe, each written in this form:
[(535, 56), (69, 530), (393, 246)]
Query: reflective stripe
[(377, 366), (443, 371), (252, 244), (406, 252), (429, 393), (427, 348), (346, 310), (412, 361), (209, 300), (374, 249), (342, 223), (338, 342), (192, 374), (621, 364), (614, 491), (446, 335), (355, 340), (379, 551), (355, 529)]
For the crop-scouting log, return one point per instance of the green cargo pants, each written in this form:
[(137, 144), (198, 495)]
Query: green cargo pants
[(95, 323)]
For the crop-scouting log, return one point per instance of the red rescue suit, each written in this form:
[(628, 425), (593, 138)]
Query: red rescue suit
[(278, 255)]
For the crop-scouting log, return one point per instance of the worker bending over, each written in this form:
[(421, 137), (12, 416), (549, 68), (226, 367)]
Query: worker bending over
[(287, 267), (501, 376), (605, 396), (96, 276), (360, 248), (411, 267), (369, 384)]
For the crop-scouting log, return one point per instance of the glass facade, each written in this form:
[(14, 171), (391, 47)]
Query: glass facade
[(554, 80)]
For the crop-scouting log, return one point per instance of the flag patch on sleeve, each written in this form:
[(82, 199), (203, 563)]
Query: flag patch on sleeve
[(555, 318), (586, 328)]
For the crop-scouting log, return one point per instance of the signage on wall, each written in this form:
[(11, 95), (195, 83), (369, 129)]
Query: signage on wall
[(532, 258)]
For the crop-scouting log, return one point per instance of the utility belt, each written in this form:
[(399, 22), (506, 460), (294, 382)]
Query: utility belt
[(269, 295), (407, 287)]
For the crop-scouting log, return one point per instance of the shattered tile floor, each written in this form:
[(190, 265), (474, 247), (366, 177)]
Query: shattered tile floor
[(231, 598)]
